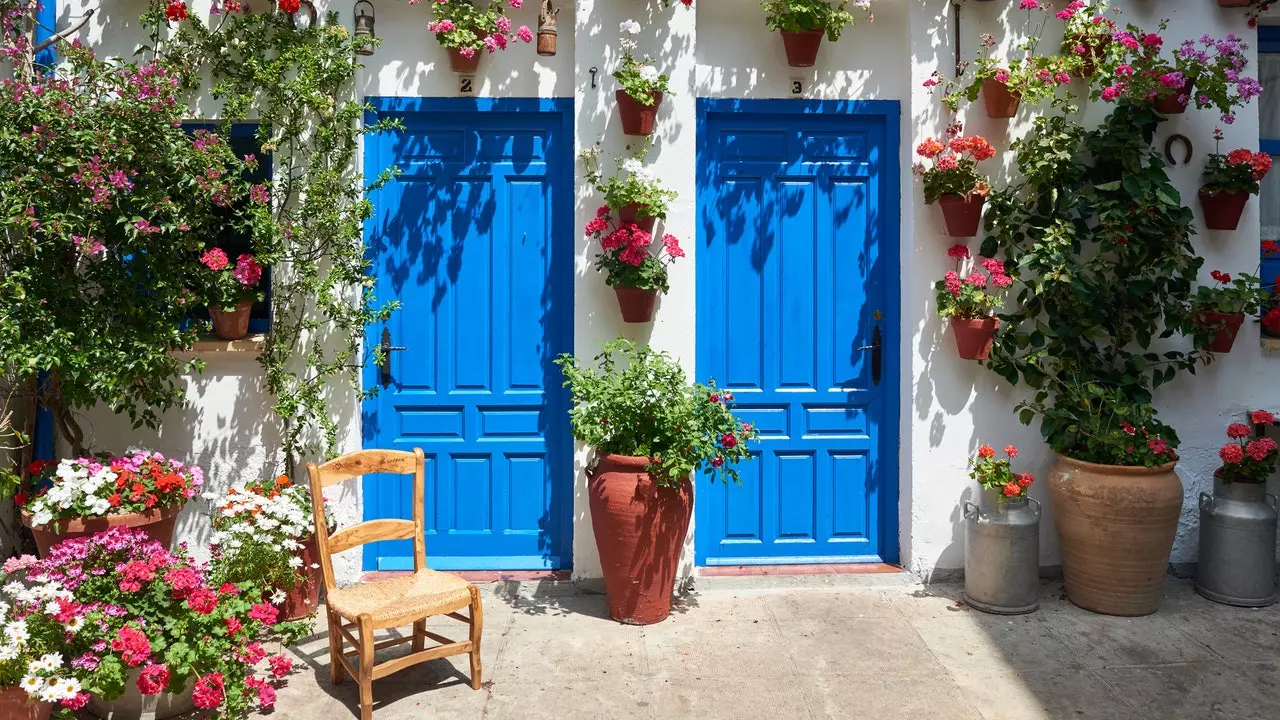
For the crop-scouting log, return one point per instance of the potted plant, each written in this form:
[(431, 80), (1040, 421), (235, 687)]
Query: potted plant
[(1229, 180), (1218, 310), (1099, 246), (1215, 69), (1237, 564), (36, 645), (969, 301), (953, 180), (642, 86), (263, 534), (1087, 36), (230, 291), (1002, 537), (651, 430), (1271, 309), (803, 23), (80, 497), (170, 640), (634, 192), (633, 267), (463, 28)]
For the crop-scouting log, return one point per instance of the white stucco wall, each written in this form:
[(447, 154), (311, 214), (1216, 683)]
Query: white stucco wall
[(948, 406)]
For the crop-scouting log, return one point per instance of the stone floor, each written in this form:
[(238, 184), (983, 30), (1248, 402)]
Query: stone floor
[(821, 652)]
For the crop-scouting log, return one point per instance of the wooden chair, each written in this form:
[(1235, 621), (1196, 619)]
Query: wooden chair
[(394, 602)]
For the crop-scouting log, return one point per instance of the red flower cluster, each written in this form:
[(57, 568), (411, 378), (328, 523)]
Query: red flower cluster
[(1220, 276), (1247, 458), (175, 11), (153, 679), (208, 692), (289, 6), (133, 646), (1259, 162)]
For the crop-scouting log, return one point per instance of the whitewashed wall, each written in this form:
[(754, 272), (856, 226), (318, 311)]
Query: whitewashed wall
[(949, 406)]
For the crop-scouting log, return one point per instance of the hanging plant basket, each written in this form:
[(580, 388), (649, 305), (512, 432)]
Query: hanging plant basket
[(802, 46), (637, 118), (629, 213), (231, 324), (1224, 326), (1175, 104), (962, 213), (637, 305), (974, 336), (999, 100), (1222, 211), (1095, 48)]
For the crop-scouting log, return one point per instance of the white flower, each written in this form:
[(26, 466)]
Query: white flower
[(649, 73), (43, 517), (8, 652), (52, 662), (13, 588), (295, 562), (645, 175), (4, 608), (277, 597), (629, 27), (32, 684), (53, 608), (632, 165), (75, 624), (16, 632), (70, 687)]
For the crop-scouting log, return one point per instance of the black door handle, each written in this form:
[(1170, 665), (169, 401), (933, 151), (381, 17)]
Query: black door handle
[(876, 348), (384, 364)]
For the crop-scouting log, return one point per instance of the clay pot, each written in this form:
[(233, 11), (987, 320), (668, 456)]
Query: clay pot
[(640, 529), (1000, 101), (974, 336), (1173, 104), (637, 118), (133, 705), (637, 305), (1115, 530), (16, 704), (1224, 326), (1095, 49), (302, 601), (629, 213), (157, 523), (802, 46), (461, 64), (1222, 211), (231, 324), (962, 213)]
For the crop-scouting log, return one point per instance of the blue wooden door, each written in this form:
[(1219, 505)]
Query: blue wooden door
[(797, 284), (475, 239)]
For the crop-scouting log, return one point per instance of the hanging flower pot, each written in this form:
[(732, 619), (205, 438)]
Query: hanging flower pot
[(637, 118), (16, 704), (231, 324), (1224, 326), (802, 46), (637, 305), (974, 336), (1222, 210), (629, 213), (1176, 103), (962, 213), (461, 64), (1095, 49), (999, 100)]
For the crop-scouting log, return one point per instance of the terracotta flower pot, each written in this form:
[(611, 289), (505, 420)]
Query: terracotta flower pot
[(974, 336), (15, 704), (640, 529), (630, 214), (1222, 211), (303, 600), (637, 118), (1224, 326), (802, 46), (637, 305), (157, 523), (461, 64), (1095, 50), (1115, 530), (133, 705), (1000, 101), (1176, 103), (962, 213), (231, 324)]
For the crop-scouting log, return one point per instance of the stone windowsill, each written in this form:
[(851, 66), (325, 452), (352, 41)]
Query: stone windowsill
[(250, 344)]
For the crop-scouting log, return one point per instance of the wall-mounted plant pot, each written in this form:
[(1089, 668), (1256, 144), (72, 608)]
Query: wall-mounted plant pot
[(1224, 326), (1175, 104), (974, 336), (637, 118), (637, 305), (461, 64), (1222, 211), (802, 47), (1095, 49), (999, 100), (630, 213), (962, 213), (231, 324)]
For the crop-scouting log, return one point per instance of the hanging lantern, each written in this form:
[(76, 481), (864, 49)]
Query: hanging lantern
[(364, 25), (547, 29)]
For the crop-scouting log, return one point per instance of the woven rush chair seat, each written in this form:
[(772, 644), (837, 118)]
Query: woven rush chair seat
[(425, 592)]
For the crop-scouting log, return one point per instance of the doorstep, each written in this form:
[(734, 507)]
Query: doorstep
[(747, 577)]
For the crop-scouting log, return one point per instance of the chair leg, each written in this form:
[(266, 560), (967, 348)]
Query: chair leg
[(477, 626), (419, 635), (336, 672), (365, 680)]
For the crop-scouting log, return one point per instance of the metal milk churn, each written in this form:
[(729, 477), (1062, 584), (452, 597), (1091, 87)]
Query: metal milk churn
[(1237, 544), (1002, 555)]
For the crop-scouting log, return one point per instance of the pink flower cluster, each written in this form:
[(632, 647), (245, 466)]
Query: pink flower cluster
[(955, 283), (628, 241)]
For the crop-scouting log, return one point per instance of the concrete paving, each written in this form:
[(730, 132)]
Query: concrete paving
[(893, 651)]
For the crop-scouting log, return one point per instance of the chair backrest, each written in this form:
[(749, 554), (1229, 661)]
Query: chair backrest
[(356, 464)]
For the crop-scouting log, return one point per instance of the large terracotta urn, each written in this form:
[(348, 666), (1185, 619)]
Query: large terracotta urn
[(1115, 529), (15, 704), (157, 523), (640, 529), (302, 601)]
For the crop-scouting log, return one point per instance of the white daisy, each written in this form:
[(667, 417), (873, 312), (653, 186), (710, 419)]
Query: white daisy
[(277, 597)]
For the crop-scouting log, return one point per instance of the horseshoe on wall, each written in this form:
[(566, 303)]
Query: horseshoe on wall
[(1168, 148)]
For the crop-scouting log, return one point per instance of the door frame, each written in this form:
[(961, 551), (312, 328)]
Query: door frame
[(887, 461), (560, 454)]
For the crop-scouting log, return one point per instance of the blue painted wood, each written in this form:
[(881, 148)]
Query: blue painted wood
[(475, 239), (1269, 39), (798, 252)]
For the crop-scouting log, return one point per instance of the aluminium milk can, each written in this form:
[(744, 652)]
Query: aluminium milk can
[(1002, 555), (1237, 544)]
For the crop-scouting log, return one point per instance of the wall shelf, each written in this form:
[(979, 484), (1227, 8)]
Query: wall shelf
[(250, 344)]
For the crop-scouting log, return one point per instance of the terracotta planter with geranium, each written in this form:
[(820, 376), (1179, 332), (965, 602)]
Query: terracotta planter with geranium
[(638, 117), (466, 30), (998, 99), (803, 24), (954, 181), (1218, 310), (968, 297), (1173, 97), (643, 86), (230, 290), (1229, 180), (639, 215), (651, 430)]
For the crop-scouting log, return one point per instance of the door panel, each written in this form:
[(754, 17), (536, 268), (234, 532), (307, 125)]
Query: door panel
[(797, 266), (474, 238)]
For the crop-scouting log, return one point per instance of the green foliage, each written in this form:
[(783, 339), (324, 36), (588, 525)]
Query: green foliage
[(464, 25), (1239, 171), (1240, 294), (636, 401), (640, 79), (997, 475), (631, 184), (1032, 78), (1101, 254), (800, 15)]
